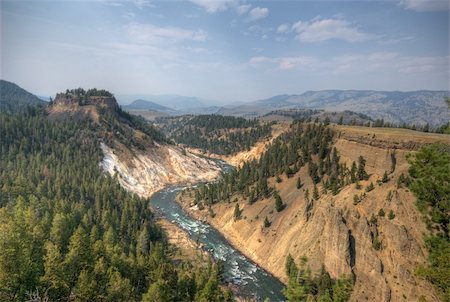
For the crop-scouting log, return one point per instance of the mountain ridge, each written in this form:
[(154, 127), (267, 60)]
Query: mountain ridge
[(411, 107), (14, 98)]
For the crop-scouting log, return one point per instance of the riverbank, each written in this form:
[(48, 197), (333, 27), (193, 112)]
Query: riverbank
[(246, 279), (185, 248), (186, 204)]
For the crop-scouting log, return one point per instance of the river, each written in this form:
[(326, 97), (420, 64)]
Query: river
[(252, 280)]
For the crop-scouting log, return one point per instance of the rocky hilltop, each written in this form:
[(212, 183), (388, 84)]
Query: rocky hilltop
[(134, 151)]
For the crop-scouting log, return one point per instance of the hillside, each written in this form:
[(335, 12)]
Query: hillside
[(215, 134), (69, 231), (371, 235), (134, 151), (16, 99), (414, 107)]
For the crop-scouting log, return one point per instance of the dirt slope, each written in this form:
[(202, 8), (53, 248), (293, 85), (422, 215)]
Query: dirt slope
[(335, 232)]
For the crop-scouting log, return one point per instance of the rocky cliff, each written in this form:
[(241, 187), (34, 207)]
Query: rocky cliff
[(134, 151), (145, 172), (334, 231)]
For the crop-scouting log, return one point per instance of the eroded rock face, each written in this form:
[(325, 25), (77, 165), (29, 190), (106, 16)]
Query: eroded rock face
[(105, 102), (336, 245), (144, 173), (336, 233)]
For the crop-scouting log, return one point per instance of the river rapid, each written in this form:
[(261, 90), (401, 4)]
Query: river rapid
[(252, 280)]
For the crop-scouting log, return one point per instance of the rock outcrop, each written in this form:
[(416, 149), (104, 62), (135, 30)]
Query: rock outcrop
[(145, 172)]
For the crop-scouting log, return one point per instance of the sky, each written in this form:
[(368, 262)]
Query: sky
[(226, 51)]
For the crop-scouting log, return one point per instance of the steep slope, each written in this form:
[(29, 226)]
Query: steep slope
[(215, 134), (15, 99), (378, 250), (135, 152), (70, 232)]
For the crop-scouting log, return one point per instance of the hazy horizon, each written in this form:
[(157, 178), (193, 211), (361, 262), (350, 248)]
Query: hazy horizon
[(225, 51)]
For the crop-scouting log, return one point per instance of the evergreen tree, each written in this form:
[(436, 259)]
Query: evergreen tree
[(266, 222), (237, 212), (299, 183), (279, 206), (316, 195), (362, 174)]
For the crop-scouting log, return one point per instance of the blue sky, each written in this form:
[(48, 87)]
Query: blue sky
[(228, 50)]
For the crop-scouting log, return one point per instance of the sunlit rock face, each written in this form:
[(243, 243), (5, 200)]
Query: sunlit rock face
[(145, 172)]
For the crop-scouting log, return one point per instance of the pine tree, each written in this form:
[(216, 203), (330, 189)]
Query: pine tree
[(299, 183), (362, 174), (237, 212), (370, 187), (307, 194), (385, 177), (316, 195), (266, 222), (279, 206)]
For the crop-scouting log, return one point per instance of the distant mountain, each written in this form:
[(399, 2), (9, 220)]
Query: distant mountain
[(146, 105), (201, 110), (177, 102), (414, 107), (15, 99)]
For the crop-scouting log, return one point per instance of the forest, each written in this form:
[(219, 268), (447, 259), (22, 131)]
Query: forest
[(223, 135), (70, 232), (304, 144), (430, 182)]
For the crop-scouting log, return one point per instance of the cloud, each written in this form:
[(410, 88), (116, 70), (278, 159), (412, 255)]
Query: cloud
[(283, 28), (390, 62), (152, 34), (258, 13), (214, 6), (283, 63), (425, 5), (142, 3), (138, 3), (318, 30), (243, 8)]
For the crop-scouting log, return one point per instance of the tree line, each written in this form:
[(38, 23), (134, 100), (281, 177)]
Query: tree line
[(218, 134)]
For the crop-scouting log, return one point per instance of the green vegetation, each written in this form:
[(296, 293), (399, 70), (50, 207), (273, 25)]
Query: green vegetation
[(14, 99), (370, 187), (267, 223), (237, 212), (279, 206), (376, 243), (304, 144), (299, 184), (80, 93), (385, 177), (218, 134), (70, 232), (302, 286), (391, 215), (430, 182)]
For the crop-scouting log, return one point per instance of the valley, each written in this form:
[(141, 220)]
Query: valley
[(295, 196), (333, 230), (224, 151)]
